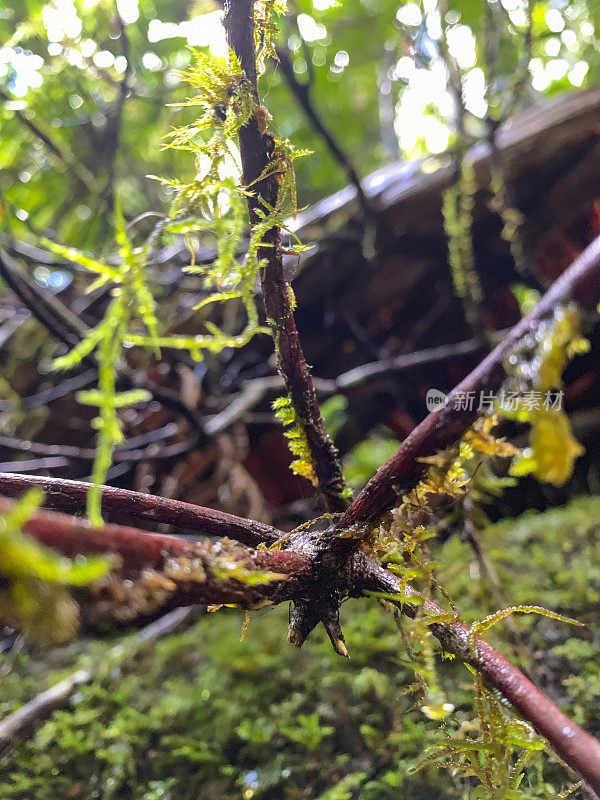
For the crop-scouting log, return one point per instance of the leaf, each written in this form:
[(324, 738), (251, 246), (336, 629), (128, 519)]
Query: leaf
[(32, 597), (554, 449)]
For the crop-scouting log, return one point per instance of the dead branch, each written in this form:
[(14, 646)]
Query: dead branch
[(70, 496), (18, 725), (301, 92)]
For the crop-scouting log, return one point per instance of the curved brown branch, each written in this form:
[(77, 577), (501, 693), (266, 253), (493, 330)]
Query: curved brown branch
[(29, 717), (239, 26), (123, 453), (445, 426), (204, 568), (65, 495), (578, 749)]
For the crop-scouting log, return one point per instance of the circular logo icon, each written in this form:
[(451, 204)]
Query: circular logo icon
[(435, 399)]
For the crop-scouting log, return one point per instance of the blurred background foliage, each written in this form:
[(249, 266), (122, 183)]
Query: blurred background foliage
[(85, 86)]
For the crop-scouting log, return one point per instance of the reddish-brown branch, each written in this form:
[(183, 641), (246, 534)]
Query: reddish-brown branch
[(239, 26), (138, 550), (578, 749), (64, 495), (445, 426)]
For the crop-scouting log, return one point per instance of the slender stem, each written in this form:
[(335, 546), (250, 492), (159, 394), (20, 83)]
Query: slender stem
[(61, 152), (488, 572), (239, 26), (70, 496), (446, 425), (301, 92), (29, 716)]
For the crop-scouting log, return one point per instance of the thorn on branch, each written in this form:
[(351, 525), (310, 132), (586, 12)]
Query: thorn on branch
[(303, 620), (306, 615), (336, 636)]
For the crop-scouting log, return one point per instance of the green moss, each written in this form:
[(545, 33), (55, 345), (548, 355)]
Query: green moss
[(295, 434), (548, 559), (33, 579), (457, 209)]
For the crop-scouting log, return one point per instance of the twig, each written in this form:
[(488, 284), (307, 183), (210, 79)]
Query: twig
[(55, 393), (443, 427), (61, 153), (254, 391), (18, 724), (113, 129), (125, 452), (354, 377), (62, 324), (239, 26), (207, 575), (32, 465), (67, 495), (25, 720), (301, 92)]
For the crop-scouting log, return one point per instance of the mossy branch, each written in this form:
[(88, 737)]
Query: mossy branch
[(265, 184), (184, 572)]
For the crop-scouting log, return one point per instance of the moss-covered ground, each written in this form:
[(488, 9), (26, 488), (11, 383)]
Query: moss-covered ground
[(201, 715)]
